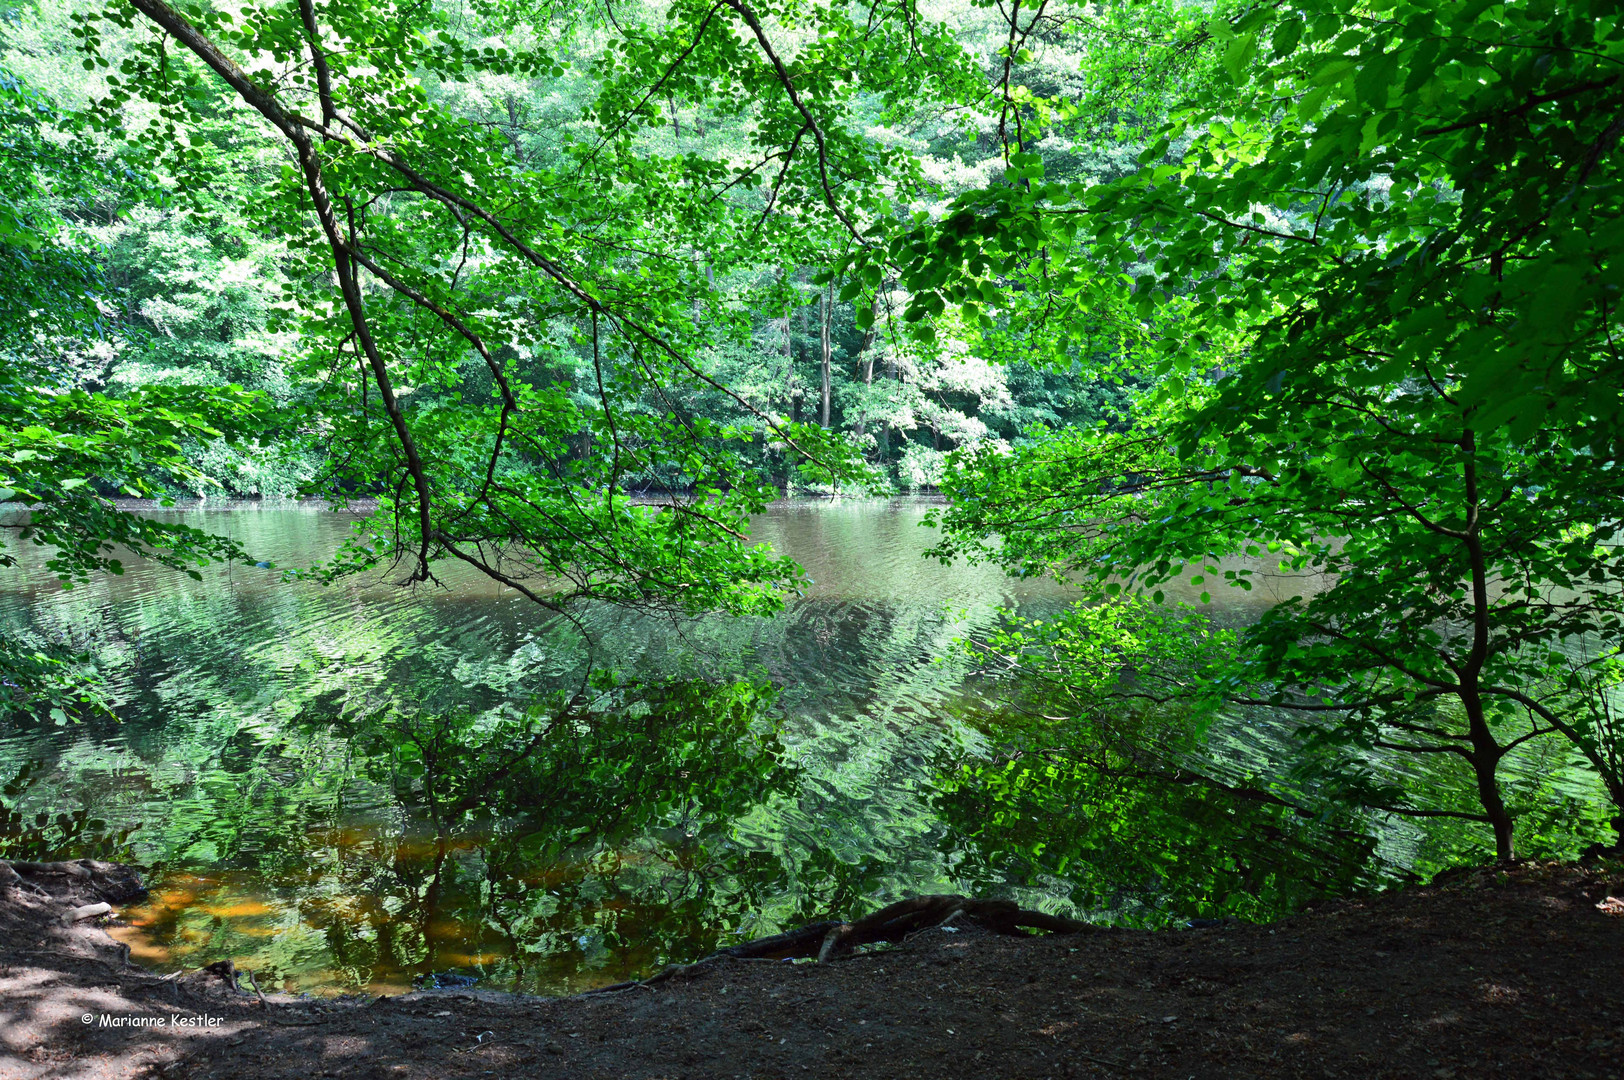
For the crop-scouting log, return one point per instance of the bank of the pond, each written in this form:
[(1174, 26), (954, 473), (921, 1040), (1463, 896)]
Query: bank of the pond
[(1489, 973)]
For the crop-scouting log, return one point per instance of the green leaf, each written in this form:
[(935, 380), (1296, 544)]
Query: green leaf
[(1239, 53)]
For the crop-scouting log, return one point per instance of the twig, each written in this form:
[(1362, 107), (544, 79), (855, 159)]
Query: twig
[(257, 993)]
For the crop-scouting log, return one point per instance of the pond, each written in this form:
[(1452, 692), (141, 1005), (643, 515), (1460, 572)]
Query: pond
[(351, 787)]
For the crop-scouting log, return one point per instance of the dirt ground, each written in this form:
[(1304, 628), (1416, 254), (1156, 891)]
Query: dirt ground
[(1490, 973)]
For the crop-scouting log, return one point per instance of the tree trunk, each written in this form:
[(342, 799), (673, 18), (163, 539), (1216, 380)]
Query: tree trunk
[(1485, 759), (824, 353), (789, 354), (866, 350), (865, 363), (788, 326), (1486, 752)]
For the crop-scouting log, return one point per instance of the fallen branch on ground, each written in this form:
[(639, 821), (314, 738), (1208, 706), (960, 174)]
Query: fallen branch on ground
[(87, 911), (897, 921), (832, 939)]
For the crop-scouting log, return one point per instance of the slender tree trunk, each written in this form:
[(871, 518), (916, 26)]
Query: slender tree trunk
[(866, 350), (1485, 758), (791, 390), (1486, 752), (791, 377), (866, 371), (825, 354), (710, 277), (865, 363)]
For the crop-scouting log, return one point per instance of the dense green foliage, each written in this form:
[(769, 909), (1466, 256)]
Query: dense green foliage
[(64, 448), (1165, 292), (1378, 268), (577, 259), (197, 263)]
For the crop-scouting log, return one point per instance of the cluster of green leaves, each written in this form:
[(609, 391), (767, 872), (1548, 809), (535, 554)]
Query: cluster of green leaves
[(46, 285), (66, 452), (1445, 176), (1374, 264)]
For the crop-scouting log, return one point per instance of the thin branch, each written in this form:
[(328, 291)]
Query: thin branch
[(784, 78)]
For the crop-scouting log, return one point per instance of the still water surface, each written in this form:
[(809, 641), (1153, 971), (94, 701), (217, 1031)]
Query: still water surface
[(324, 860)]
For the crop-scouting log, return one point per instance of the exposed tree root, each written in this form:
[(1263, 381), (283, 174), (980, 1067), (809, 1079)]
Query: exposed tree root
[(785, 946), (831, 939), (10, 879), (86, 911), (897, 921), (102, 881)]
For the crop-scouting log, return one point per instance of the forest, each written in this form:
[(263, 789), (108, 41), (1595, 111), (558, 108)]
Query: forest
[(604, 482)]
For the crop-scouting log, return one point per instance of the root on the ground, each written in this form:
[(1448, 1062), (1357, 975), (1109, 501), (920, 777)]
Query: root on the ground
[(832, 939)]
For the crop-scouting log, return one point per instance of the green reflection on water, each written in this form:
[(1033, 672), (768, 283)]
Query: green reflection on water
[(545, 849), (271, 751)]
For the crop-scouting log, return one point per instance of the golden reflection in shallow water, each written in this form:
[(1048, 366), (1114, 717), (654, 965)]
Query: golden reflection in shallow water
[(143, 950), (238, 909), (316, 929)]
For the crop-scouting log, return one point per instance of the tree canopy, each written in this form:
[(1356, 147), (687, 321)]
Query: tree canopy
[(1148, 292), (1375, 267)]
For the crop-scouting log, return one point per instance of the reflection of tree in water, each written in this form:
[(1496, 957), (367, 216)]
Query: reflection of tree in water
[(1123, 812), (589, 834)]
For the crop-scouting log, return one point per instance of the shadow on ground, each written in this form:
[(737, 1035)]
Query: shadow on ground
[(1494, 973)]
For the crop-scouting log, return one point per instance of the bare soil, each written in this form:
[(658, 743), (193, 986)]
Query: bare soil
[(1513, 973)]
